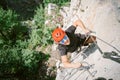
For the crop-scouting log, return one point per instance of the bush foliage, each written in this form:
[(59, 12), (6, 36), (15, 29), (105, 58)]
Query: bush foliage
[(18, 40), (58, 2), (17, 56)]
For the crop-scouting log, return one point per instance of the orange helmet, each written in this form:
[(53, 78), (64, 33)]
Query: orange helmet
[(58, 34)]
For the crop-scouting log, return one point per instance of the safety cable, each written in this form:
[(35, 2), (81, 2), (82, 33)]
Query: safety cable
[(103, 42), (108, 44), (84, 68), (100, 40)]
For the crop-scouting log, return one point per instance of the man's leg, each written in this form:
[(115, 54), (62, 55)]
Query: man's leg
[(90, 39)]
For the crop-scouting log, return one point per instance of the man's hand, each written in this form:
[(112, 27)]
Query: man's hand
[(87, 31), (67, 64)]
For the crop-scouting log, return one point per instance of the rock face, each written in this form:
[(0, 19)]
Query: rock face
[(102, 17)]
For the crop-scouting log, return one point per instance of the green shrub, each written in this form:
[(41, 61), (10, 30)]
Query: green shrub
[(18, 59), (10, 27), (39, 17), (43, 32), (7, 23), (21, 62), (58, 2)]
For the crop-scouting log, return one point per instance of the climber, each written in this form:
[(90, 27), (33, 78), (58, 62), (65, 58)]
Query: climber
[(68, 41)]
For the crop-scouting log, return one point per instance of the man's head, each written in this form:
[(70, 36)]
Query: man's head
[(60, 37)]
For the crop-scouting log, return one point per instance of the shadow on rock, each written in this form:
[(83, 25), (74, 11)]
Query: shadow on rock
[(112, 55), (102, 78), (89, 50)]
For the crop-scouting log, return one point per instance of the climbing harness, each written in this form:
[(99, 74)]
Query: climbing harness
[(95, 42)]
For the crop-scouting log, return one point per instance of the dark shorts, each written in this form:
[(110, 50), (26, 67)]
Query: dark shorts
[(82, 38)]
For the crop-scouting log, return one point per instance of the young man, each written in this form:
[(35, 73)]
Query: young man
[(68, 41)]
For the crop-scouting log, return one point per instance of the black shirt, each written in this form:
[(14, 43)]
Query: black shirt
[(75, 41)]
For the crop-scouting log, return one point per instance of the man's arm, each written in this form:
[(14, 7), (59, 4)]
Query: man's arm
[(80, 24), (67, 64)]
